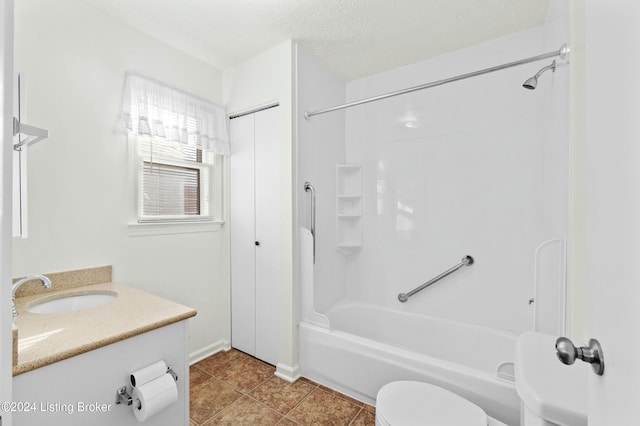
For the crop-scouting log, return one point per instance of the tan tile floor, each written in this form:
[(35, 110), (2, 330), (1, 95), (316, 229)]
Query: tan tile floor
[(233, 388)]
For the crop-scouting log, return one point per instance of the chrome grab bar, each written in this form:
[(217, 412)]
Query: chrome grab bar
[(466, 261), (309, 188)]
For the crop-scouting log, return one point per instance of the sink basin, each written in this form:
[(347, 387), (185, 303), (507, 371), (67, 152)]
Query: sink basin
[(71, 303)]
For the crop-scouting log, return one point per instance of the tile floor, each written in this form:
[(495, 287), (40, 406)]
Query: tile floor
[(233, 388)]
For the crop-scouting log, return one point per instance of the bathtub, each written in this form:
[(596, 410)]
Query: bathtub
[(362, 347)]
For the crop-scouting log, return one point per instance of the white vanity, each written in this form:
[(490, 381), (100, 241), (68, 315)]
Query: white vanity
[(71, 363)]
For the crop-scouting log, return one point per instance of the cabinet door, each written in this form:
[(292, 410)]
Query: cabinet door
[(269, 211), (242, 233), (81, 390)]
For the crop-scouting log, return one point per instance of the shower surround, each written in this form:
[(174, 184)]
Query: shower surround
[(479, 167)]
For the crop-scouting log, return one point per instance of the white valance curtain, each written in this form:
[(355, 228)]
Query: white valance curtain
[(154, 109)]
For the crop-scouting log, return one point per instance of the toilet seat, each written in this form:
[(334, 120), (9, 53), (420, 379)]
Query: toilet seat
[(408, 403)]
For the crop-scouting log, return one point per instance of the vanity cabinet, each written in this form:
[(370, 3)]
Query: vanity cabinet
[(82, 390)]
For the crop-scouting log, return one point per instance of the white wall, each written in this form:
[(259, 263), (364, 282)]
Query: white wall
[(262, 80), (74, 59), (480, 174)]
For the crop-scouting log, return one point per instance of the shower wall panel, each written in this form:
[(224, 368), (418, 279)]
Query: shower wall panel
[(321, 145), (477, 167)]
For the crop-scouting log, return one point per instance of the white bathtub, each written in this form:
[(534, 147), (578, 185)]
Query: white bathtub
[(366, 347)]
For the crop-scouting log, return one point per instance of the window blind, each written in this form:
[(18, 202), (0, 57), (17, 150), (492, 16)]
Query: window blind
[(174, 182)]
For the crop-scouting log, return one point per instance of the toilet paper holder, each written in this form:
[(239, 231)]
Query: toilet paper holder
[(123, 396)]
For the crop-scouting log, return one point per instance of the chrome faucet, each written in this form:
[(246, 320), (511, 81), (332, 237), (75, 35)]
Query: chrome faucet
[(46, 282)]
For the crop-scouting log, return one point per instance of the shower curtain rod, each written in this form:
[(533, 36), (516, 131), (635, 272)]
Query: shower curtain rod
[(562, 53)]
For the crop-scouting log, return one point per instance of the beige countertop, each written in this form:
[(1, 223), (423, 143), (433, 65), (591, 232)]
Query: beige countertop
[(47, 338)]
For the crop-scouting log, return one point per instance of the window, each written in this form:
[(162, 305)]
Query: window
[(177, 146), (173, 183)]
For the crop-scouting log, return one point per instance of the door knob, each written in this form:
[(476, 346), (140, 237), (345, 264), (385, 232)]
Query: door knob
[(592, 354), (257, 243)]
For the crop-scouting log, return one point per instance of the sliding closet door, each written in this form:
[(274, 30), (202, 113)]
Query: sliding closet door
[(242, 231), (256, 209), (268, 214)]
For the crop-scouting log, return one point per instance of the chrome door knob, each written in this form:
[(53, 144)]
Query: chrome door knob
[(567, 353)]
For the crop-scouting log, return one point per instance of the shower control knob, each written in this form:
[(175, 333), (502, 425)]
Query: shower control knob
[(567, 353)]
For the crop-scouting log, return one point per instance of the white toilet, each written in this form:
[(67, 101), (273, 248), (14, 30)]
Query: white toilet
[(545, 387), (407, 403)]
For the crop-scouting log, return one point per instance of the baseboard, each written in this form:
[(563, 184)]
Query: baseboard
[(207, 351), (283, 371), (287, 372)]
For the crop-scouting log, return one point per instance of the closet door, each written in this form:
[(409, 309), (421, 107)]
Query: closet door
[(268, 214), (256, 209), (242, 232)]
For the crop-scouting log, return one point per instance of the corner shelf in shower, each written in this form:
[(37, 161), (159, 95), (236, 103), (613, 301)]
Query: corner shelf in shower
[(349, 207)]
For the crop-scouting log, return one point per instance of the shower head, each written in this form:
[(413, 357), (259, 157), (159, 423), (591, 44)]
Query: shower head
[(532, 82)]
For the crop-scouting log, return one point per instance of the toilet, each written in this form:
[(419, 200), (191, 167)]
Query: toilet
[(545, 386), (409, 403)]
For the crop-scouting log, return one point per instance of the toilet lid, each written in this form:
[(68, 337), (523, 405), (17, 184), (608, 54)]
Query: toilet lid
[(406, 403)]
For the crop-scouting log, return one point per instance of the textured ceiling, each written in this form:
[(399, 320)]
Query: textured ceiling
[(354, 38)]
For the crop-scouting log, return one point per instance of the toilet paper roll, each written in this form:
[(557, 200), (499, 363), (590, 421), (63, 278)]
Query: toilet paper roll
[(148, 373), (154, 396)]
